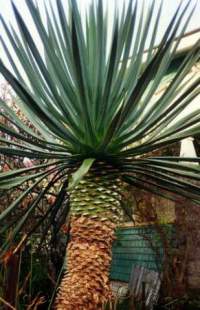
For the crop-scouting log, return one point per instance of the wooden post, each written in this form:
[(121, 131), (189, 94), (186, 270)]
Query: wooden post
[(12, 276), (143, 295)]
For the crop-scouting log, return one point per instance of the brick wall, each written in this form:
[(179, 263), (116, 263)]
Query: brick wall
[(188, 235)]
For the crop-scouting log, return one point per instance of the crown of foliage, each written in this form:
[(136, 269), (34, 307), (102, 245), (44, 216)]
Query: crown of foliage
[(90, 93)]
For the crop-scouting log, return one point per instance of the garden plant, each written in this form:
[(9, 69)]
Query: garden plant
[(89, 92)]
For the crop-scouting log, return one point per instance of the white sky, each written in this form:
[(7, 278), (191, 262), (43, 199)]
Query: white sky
[(169, 7)]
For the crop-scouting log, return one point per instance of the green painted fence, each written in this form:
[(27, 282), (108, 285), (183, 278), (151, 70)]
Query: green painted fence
[(138, 246)]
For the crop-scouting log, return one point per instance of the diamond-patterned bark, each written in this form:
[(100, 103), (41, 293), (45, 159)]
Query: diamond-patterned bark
[(95, 212)]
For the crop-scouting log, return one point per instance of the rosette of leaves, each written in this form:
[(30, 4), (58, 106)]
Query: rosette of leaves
[(90, 93)]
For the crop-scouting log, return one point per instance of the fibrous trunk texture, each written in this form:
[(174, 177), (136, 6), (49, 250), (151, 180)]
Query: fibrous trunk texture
[(95, 212)]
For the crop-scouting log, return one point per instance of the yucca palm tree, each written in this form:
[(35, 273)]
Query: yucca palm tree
[(90, 93)]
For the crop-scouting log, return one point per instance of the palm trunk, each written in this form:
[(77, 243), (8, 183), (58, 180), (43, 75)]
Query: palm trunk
[(95, 212)]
